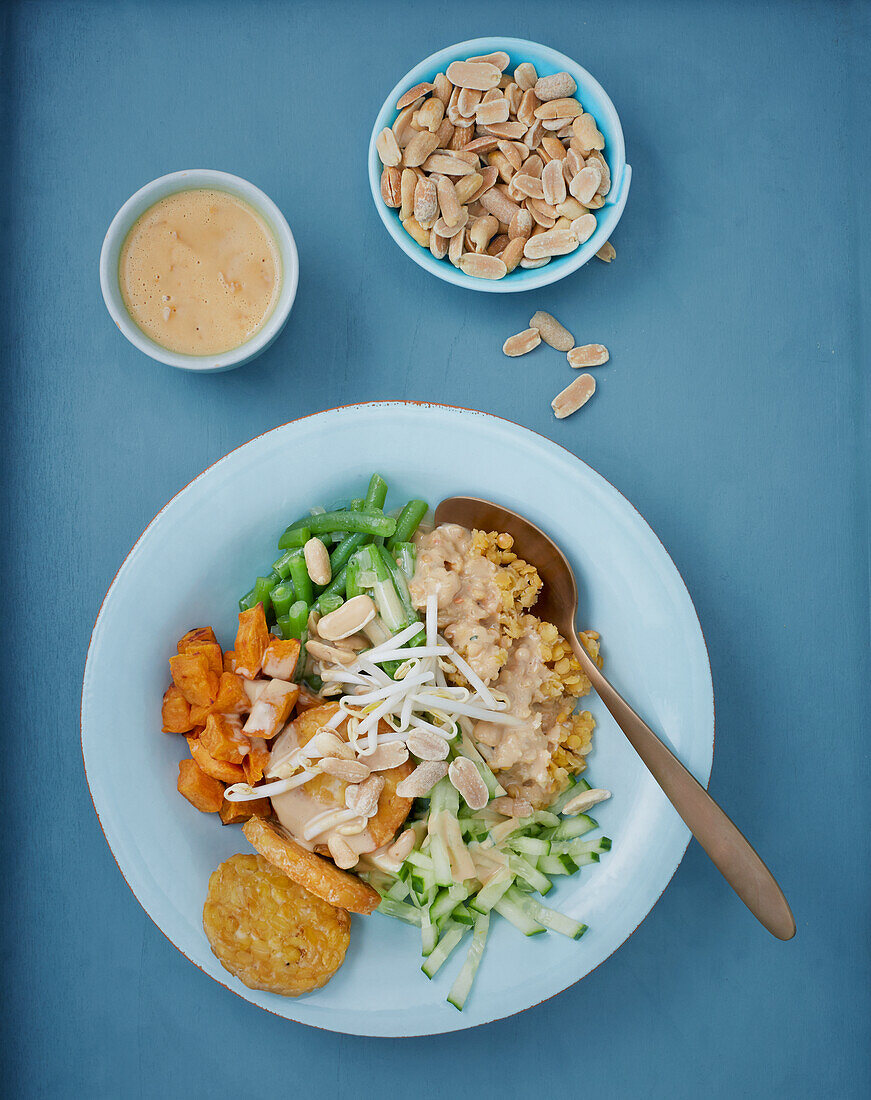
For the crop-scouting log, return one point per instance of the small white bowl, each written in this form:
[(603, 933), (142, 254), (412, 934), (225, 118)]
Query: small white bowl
[(188, 180)]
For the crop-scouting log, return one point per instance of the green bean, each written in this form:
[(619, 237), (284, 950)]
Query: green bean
[(296, 619), (376, 494), (282, 565), (315, 683), (342, 553), (262, 591), (357, 505), (352, 579), (336, 587), (282, 627), (296, 536), (408, 521), (327, 604), (247, 601), (370, 523), (282, 597), (302, 584)]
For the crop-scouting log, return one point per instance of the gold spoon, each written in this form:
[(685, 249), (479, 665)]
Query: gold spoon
[(729, 849)]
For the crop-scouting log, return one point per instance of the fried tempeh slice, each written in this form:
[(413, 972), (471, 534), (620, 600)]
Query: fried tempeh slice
[(319, 876)]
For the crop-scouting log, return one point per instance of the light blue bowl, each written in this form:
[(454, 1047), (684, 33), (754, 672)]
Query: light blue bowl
[(594, 100), (189, 568)]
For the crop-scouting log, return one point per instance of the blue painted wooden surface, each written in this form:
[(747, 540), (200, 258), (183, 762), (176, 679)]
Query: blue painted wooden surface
[(733, 414)]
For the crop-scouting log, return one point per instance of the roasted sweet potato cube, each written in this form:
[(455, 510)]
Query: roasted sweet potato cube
[(230, 660), (217, 769), (233, 812), (195, 637), (281, 657), (256, 761), (194, 679), (223, 738), (176, 711), (252, 638), (200, 714), (272, 709), (232, 697), (201, 790), (212, 653)]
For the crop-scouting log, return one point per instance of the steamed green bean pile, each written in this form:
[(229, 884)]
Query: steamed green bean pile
[(370, 552)]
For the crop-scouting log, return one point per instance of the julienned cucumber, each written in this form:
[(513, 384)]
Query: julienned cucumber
[(451, 936), (511, 911), (463, 984), (571, 827), (539, 913)]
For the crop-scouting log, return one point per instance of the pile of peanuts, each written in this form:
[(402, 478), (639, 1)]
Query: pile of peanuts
[(495, 170)]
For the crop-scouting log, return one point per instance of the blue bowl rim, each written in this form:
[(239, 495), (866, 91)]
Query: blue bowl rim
[(560, 267)]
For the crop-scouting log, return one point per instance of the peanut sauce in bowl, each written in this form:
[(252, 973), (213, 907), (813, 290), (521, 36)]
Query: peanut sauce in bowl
[(199, 270)]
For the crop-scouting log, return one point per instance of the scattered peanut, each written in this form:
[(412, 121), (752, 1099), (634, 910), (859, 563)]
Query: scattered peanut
[(522, 342), (552, 332), (575, 395), (607, 252), (588, 355)]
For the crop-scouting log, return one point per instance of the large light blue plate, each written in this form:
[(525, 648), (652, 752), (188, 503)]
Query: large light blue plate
[(202, 551)]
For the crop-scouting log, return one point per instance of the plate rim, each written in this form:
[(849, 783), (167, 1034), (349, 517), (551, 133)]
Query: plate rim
[(131, 554)]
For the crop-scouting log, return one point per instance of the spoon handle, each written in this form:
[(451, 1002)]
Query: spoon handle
[(727, 846)]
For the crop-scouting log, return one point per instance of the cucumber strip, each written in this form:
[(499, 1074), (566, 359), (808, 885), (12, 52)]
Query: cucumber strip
[(429, 934), (600, 844), (571, 827), (488, 896), (570, 848), (444, 796), (446, 901), (509, 909), (530, 845), (557, 865), (529, 873), (550, 918), (463, 915), (544, 817), (441, 862), (451, 936), (501, 832), (399, 891), (419, 860), (568, 794), (462, 986), (400, 910), (381, 881)]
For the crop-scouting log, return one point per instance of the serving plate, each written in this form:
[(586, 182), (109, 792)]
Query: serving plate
[(201, 551)]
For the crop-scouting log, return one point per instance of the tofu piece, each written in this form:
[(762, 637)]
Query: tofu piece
[(272, 709)]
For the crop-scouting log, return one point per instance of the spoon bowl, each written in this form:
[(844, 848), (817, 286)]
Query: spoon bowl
[(728, 848)]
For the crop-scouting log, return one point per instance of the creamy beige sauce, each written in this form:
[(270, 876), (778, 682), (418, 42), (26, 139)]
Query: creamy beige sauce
[(296, 808), (469, 601), (468, 597), (200, 272)]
